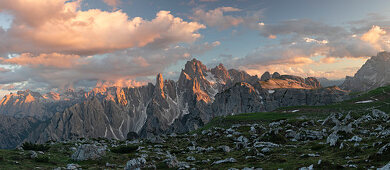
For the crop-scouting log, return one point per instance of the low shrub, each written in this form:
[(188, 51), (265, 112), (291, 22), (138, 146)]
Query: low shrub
[(42, 158), (124, 149), (35, 147)]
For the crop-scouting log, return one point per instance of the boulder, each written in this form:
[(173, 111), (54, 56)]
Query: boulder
[(88, 152), (136, 163)]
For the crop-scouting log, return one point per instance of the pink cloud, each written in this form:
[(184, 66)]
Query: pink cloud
[(48, 60), (216, 17), (112, 3), (49, 26)]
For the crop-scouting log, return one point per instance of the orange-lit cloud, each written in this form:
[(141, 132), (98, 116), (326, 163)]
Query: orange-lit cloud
[(59, 26), (375, 36), (47, 60), (122, 82), (127, 67)]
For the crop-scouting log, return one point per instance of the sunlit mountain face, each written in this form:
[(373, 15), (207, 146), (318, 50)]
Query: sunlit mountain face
[(54, 45)]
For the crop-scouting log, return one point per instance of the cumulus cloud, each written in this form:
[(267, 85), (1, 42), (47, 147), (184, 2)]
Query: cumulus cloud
[(217, 17), (60, 26)]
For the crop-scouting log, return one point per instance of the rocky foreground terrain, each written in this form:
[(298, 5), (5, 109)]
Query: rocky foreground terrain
[(353, 134)]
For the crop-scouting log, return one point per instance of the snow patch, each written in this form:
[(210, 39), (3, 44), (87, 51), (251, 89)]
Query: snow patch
[(366, 101)]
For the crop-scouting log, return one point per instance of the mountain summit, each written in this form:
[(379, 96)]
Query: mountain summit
[(373, 74), (169, 106)]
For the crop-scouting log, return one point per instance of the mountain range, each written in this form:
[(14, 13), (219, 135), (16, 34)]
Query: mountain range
[(168, 106)]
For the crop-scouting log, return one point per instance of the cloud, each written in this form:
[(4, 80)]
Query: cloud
[(47, 60), (112, 3), (375, 36), (60, 26), (126, 67), (216, 17), (302, 41)]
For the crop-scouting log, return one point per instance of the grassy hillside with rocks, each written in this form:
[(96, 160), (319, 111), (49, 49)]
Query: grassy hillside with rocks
[(347, 135)]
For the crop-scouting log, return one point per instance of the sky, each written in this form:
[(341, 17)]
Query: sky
[(52, 45)]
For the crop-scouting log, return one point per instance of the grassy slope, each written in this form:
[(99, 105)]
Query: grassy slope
[(284, 157), (380, 96)]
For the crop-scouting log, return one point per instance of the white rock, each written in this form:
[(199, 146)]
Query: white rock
[(332, 139), (355, 139), (190, 158), (136, 163), (227, 160), (386, 167), (88, 152)]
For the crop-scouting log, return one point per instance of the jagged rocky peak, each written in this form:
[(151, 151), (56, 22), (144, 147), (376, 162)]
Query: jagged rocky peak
[(266, 76), (374, 73), (195, 68), (312, 81), (242, 76), (275, 75), (21, 97), (159, 89), (221, 72)]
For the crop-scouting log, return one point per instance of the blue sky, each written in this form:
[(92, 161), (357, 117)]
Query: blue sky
[(330, 38)]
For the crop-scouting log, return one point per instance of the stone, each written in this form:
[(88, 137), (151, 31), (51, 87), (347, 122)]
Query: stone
[(110, 165), (386, 167), (377, 114), (265, 150), (136, 163), (332, 139), (224, 148), (33, 154), (355, 139), (265, 144), (191, 158), (72, 166), (88, 152), (307, 168), (171, 161)]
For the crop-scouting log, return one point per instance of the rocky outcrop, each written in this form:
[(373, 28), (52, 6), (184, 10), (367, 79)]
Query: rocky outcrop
[(266, 76), (244, 98), (241, 98), (289, 81), (89, 152), (13, 130), (373, 74)]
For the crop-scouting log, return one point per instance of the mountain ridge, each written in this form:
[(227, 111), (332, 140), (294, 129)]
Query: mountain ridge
[(168, 106)]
